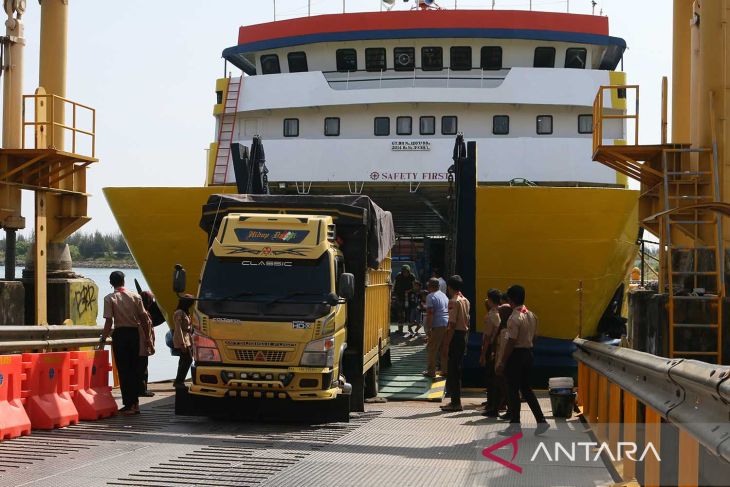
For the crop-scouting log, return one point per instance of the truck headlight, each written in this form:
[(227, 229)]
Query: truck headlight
[(205, 349), (319, 353)]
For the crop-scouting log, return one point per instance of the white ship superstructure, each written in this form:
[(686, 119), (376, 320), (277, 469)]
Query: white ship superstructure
[(379, 97)]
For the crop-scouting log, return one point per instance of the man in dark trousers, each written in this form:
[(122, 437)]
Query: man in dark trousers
[(125, 314), (456, 336), (403, 286), (516, 362)]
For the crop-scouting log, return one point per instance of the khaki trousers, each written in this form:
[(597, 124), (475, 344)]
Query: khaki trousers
[(436, 350)]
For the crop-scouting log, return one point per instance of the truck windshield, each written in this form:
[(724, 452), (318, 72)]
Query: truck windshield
[(271, 288)]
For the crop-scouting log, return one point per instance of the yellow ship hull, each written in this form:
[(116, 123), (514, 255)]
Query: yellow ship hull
[(550, 240), (570, 248)]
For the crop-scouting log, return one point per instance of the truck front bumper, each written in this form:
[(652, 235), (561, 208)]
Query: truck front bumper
[(295, 383)]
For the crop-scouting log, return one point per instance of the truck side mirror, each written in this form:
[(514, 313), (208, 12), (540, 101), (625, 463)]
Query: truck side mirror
[(179, 279), (346, 286)]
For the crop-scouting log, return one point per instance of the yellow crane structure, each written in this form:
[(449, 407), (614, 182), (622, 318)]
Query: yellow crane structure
[(42, 150), (685, 182)]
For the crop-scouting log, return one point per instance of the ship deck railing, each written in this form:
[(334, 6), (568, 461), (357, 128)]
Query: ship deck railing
[(416, 78)]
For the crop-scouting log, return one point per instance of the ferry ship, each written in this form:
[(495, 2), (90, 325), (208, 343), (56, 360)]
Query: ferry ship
[(371, 103)]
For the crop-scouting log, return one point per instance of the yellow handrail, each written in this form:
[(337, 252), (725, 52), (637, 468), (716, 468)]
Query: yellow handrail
[(51, 121), (599, 114)]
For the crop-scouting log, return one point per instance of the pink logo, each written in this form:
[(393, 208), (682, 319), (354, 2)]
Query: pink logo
[(512, 440)]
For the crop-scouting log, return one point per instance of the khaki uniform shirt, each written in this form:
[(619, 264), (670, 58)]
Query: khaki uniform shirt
[(522, 327), (126, 308), (491, 325), (459, 313), (181, 336)]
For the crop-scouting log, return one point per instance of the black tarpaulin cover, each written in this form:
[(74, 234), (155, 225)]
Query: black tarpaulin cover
[(346, 210)]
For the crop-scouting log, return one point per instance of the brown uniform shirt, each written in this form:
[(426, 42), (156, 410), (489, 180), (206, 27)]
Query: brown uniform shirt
[(522, 327), (491, 325), (459, 313), (126, 309), (181, 336)]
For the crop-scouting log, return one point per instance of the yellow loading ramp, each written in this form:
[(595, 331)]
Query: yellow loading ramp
[(403, 381)]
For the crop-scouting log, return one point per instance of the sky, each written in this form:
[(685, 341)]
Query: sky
[(149, 69)]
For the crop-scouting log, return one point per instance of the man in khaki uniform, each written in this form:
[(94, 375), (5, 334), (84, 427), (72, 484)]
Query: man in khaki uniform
[(516, 362), (495, 396), (456, 337), (125, 314)]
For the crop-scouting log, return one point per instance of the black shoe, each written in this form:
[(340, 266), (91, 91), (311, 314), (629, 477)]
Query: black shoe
[(506, 416), (512, 429), (451, 408), (147, 393), (542, 427), (491, 413)]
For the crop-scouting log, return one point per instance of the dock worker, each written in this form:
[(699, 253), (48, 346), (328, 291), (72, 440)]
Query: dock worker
[(124, 313), (403, 286), (517, 360), (456, 337), (437, 319), (486, 359), (182, 339)]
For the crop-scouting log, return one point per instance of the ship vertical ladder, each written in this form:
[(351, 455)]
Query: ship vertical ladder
[(692, 235), (225, 131)]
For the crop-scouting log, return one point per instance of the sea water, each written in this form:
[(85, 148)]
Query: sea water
[(162, 365)]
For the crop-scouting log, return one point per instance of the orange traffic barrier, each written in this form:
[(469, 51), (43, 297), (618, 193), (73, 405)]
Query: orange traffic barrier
[(47, 390), (14, 420), (92, 394)]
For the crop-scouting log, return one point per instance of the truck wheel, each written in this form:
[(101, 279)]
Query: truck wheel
[(371, 381)]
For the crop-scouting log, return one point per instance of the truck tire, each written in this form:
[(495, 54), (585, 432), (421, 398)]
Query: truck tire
[(352, 362), (371, 381)]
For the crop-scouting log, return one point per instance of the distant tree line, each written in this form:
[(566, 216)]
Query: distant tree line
[(82, 245)]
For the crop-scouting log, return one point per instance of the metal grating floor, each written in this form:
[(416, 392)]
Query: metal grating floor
[(396, 443)]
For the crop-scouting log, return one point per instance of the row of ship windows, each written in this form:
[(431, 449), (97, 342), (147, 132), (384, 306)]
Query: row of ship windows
[(432, 59), (427, 125)]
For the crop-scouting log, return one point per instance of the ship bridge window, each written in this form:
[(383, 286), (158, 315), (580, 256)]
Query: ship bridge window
[(375, 59), (432, 58), (460, 58), (404, 125), (382, 126), (346, 60), (500, 125), (575, 57), (449, 125), (427, 125), (585, 124), (270, 64), (332, 126), (544, 57), (291, 127), (491, 58), (544, 124), (404, 58), (297, 62)]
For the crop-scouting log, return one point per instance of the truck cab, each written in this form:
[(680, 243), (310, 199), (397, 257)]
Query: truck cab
[(271, 310)]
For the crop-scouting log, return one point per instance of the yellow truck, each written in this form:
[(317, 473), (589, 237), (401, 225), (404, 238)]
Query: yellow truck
[(293, 305)]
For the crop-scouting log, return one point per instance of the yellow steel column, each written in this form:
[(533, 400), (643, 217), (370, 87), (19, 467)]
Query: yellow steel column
[(629, 436), (689, 458), (54, 42), (652, 469), (602, 421), (681, 55), (41, 302), (614, 416), (13, 45)]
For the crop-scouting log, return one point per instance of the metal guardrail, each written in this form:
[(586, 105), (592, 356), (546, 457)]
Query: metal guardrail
[(17, 339), (693, 396)]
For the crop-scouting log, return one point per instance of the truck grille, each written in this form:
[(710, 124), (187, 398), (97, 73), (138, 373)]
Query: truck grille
[(260, 355)]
